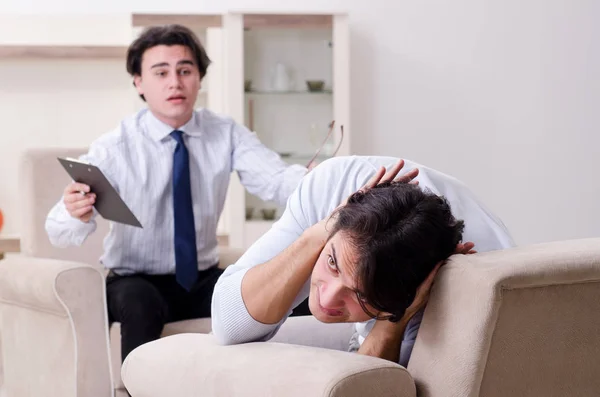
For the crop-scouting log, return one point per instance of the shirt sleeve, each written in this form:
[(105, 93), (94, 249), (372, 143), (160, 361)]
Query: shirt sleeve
[(63, 230), (261, 170)]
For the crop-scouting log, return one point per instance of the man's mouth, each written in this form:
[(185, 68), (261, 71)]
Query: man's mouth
[(331, 312), (176, 98)]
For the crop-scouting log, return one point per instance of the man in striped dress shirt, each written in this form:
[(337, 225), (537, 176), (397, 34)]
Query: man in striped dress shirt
[(171, 164)]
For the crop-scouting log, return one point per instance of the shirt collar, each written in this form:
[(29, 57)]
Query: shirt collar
[(159, 130)]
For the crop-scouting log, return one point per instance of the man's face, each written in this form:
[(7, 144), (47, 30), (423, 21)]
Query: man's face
[(170, 82), (333, 284)]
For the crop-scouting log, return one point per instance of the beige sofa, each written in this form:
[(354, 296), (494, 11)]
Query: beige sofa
[(520, 322), (53, 323)]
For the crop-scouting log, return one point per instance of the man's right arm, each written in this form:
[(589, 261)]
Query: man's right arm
[(65, 229), (255, 295), (284, 276)]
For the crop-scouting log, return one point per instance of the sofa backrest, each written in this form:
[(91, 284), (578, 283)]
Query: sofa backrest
[(43, 180)]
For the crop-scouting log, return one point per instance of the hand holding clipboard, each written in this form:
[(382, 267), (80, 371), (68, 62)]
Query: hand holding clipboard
[(105, 198)]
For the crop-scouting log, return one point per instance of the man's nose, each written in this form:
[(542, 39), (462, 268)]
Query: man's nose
[(331, 295), (175, 80)]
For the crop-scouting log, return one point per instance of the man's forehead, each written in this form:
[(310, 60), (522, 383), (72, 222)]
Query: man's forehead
[(168, 55)]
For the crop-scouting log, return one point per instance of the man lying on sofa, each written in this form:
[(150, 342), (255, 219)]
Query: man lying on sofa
[(367, 256)]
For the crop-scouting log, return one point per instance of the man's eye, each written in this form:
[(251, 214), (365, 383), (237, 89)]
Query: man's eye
[(161, 74), (331, 263), (185, 72)]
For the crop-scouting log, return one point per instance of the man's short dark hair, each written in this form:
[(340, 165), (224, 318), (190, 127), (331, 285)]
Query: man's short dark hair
[(399, 233), (166, 35)]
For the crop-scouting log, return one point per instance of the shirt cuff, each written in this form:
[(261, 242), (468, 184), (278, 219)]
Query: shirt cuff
[(65, 231)]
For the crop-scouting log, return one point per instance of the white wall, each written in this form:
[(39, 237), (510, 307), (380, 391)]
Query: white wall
[(501, 94)]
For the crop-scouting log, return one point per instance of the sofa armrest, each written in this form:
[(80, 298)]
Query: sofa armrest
[(196, 365), (32, 282), (521, 321), (54, 328)]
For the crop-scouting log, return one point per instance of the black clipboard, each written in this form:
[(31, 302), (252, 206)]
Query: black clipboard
[(108, 202)]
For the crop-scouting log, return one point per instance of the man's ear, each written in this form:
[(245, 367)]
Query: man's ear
[(137, 82)]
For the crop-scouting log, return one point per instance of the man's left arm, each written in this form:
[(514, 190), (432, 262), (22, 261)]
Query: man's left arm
[(261, 170)]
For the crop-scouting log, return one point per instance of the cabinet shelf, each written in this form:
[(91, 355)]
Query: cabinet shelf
[(261, 222), (303, 156), (194, 21), (265, 93), (10, 243), (62, 52), (288, 21)]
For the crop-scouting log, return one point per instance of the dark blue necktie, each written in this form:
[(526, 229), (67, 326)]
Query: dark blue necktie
[(186, 256)]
